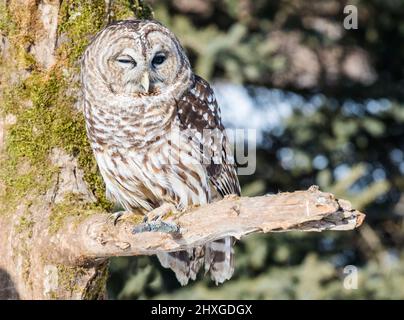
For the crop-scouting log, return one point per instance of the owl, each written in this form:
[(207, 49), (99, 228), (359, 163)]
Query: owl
[(157, 135)]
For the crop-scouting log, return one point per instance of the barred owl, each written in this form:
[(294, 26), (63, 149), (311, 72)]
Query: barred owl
[(138, 89)]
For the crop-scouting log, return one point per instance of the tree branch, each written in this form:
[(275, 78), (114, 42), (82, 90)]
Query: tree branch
[(310, 210)]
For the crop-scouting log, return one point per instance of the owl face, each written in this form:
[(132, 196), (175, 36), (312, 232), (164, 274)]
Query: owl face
[(138, 58)]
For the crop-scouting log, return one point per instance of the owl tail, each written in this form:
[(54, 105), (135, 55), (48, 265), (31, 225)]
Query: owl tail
[(219, 259), (217, 256)]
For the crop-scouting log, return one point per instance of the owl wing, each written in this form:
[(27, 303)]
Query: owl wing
[(199, 113)]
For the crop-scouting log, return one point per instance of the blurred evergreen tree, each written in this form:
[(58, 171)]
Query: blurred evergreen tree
[(352, 144)]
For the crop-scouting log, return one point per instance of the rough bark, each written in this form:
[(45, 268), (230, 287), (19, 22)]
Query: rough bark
[(54, 243), (310, 210), (72, 263)]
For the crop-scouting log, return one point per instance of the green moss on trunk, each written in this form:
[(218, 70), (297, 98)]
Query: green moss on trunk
[(45, 116)]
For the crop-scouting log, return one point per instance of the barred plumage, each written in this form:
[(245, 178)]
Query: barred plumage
[(156, 132)]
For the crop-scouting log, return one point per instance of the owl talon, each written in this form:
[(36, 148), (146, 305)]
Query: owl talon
[(157, 226), (159, 213), (114, 217), (130, 216)]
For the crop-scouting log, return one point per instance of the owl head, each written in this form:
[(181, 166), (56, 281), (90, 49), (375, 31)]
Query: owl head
[(135, 58)]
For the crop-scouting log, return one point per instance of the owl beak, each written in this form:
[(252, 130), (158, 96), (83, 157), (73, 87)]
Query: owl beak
[(145, 82)]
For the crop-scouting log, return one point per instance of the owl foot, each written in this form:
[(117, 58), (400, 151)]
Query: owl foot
[(157, 226), (153, 222)]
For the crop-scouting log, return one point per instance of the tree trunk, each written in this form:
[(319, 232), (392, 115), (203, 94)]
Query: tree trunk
[(47, 173)]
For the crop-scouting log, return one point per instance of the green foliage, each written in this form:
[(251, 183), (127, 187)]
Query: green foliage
[(216, 47), (359, 148)]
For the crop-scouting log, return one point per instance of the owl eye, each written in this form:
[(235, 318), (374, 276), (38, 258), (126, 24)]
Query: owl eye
[(158, 59), (126, 61)]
